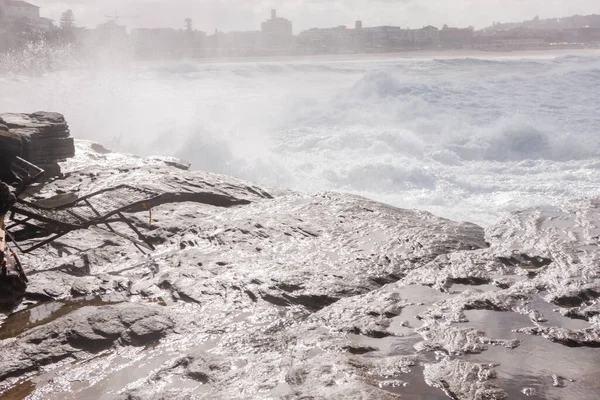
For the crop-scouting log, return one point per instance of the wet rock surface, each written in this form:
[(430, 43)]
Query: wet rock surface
[(462, 380), (87, 330), (45, 136), (261, 293)]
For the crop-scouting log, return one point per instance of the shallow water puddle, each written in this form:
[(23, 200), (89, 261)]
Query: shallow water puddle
[(459, 288), (44, 313), (414, 387), (421, 294), (536, 360), (388, 346), (538, 367), (555, 318), (104, 379), (20, 391), (407, 321), (534, 363), (496, 324)]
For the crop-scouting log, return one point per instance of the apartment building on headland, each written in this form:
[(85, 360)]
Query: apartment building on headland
[(17, 9), (22, 12), (20, 21)]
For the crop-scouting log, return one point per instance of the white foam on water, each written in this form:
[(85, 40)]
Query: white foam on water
[(468, 139)]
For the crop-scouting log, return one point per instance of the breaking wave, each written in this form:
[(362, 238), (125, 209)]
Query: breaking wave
[(37, 58), (464, 138)]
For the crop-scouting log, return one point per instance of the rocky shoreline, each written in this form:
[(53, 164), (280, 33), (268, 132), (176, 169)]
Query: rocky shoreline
[(261, 293), (46, 138)]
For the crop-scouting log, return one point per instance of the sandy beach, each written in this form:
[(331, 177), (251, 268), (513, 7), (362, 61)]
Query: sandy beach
[(412, 54)]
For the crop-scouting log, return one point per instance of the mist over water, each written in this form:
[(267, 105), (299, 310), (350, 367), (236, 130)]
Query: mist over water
[(467, 139)]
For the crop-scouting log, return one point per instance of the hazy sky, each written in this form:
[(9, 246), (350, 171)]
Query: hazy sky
[(247, 14)]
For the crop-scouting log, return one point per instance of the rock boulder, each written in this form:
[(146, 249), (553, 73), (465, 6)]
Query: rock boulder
[(45, 136)]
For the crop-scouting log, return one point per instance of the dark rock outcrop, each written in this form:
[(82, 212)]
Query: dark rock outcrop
[(46, 138), (10, 146), (10, 142), (12, 285)]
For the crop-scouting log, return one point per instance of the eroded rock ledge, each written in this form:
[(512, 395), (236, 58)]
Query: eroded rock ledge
[(260, 293), (46, 138)]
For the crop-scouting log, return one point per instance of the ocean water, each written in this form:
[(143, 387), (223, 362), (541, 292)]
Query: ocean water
[(465, 138)]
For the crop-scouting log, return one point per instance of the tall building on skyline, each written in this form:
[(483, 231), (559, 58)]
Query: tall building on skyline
[(277, 32)]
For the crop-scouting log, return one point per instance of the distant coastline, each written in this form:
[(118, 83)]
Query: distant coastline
[(412, 54)]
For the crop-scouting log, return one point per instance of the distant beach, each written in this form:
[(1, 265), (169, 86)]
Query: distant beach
[(412, 54)]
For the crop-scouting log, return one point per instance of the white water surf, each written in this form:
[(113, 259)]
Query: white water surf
[(467, 139)]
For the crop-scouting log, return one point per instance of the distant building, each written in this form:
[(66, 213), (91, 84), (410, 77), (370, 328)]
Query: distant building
[(556, 24), (520, 44), (427, 35), (241, 43), (456, 37), (366, 39), (328, 40), (393, 38), (381, 38), (23, 13), (156, 42), (112, 28), (277, 33), (167, 43), (499, 43), (17, 9), (589, 34), (109, 35)]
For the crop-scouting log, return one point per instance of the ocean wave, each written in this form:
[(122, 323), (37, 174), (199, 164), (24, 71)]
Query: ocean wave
[(488, 62), (382, 177), (463, 138), (37, 58), (199, 70), (577, 59)]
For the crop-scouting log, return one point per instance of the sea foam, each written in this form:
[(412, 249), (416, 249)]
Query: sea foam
[(466, 138)]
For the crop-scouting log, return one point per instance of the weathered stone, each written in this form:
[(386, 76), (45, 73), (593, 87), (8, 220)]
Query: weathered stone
[(455, 341), (569, 337), (262, 293), (463, 380), (45, 136), (86, 330)]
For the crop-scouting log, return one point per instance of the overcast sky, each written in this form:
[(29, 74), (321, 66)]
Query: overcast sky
[(227, 15)]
